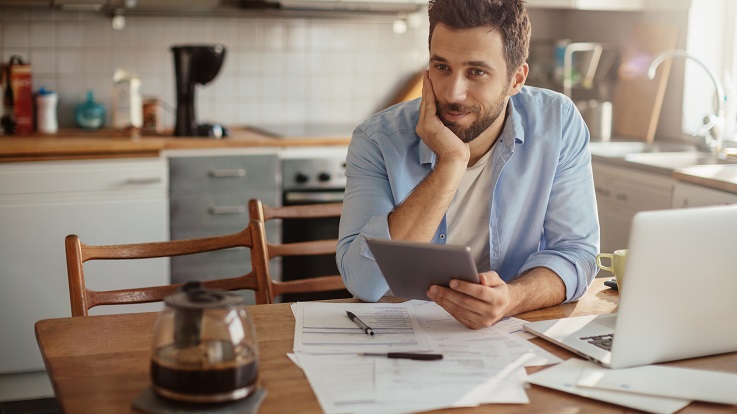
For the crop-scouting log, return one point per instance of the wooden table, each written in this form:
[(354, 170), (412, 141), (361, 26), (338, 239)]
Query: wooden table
[(100, 363)]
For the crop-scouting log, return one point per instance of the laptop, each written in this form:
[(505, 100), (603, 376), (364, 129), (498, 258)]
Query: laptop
[(678, 299)]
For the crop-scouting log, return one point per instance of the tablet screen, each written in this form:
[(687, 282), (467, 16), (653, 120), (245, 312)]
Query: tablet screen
[(411, 267)]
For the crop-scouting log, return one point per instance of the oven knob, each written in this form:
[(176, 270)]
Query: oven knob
[(323, 177), (301, 178)]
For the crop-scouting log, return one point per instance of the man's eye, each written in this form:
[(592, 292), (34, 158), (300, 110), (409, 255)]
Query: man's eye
[(477, 72), (442, 67)]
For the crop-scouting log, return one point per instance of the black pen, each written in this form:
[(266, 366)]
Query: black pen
[(360, 323), (406, 355)]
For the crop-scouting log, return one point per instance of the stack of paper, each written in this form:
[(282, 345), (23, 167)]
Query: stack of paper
[(479, 366)]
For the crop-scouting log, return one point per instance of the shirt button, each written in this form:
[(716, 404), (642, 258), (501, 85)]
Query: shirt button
[(442, 237)]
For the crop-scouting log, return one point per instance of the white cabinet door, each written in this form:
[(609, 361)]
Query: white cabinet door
[(104, 202), (622, 192), (691, 195)]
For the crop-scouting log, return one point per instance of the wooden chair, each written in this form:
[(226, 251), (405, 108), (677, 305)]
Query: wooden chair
[(259, 211), (82, 298)]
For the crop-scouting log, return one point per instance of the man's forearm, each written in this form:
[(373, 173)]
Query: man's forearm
[(419, 215), (536, 289)]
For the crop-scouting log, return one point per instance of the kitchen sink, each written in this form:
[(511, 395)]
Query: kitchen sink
[(675, 160), (618, 149)]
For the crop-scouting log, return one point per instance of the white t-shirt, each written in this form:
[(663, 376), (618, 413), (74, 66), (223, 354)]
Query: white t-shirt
[(468, 216)]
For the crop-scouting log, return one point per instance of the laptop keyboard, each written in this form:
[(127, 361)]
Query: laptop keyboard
[(602, 341)]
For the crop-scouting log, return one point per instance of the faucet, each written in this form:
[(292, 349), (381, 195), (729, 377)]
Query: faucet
[(715, 126)]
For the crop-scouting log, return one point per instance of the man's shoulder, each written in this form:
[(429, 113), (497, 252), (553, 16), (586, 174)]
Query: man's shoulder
[(532, 96), (399, 119)]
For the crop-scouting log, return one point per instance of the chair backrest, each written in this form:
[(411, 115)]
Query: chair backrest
[(258, 211), (82, 298)]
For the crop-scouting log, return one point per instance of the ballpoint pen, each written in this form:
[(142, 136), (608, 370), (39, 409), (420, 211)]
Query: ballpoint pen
[(405, 355), (360, 323)]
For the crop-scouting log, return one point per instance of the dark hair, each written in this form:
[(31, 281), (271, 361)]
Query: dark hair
[(508, 16)]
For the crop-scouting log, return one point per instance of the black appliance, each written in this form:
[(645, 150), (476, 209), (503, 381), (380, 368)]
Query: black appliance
[(311, 179), (195, 64)]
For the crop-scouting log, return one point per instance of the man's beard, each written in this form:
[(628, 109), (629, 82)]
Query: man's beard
[(482, 123)]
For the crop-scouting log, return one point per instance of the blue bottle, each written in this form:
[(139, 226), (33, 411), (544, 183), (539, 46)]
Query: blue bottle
[(90, 115)]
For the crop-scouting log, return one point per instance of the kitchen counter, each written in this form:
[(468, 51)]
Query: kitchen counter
[(719, 177), (670, 159), (76, 144)]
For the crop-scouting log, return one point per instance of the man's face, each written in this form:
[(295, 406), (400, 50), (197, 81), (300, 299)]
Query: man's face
[(469, 77)]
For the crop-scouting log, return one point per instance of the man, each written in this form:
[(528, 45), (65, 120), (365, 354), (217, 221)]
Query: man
[(480, 160)]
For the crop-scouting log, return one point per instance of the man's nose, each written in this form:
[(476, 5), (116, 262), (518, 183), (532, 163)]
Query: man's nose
[(457, 89)]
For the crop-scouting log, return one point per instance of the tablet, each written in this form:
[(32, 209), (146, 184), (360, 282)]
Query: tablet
[(410, 267)]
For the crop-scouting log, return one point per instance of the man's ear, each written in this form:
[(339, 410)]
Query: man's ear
[(518, 79)]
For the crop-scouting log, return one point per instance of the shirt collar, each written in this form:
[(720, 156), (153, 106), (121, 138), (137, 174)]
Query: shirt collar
[(511, 132)]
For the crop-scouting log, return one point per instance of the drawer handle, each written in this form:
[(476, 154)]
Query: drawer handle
[(232, 172), (144, 180), (239, 209)]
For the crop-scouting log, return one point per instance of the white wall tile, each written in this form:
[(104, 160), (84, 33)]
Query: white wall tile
[(69, 62), (273, 86), (248, 62), (97, 61), (16, 35), (275, 37), (68, 35), (42, 35), (298, 35), (250, 88), (96, 34), (43, 62)]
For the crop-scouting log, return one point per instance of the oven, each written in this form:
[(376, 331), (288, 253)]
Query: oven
[(311, 176)]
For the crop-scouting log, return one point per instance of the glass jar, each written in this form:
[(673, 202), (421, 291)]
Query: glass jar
[(205, 347)]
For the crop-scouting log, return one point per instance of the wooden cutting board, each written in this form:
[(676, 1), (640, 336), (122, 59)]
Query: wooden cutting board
[(638, 99)]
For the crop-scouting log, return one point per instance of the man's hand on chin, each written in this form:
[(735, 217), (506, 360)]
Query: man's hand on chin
[(474, 305)]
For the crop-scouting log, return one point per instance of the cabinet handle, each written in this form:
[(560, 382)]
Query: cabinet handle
[(231, 172), (143, 180), (239, 209)]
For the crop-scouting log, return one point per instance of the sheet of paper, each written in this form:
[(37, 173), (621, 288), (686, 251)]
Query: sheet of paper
[(346, 383), (711, 386), (455, 381), (325, 328), (340, 381), (563, 377), (497, 340)]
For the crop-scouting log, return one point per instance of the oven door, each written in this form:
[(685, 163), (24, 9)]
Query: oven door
[(298, 230)]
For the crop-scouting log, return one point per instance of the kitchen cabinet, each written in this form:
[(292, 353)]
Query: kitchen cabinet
[(209, 196), (621, 193), (691, 195), (102, 201)]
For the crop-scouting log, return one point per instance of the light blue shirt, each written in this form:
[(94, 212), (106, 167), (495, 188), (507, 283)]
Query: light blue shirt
[(543, 209)]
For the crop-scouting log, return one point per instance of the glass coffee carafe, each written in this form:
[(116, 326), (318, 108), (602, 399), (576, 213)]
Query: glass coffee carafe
[(205, 347)]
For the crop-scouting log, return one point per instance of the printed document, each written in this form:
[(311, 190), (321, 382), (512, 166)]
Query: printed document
[(324, 328)]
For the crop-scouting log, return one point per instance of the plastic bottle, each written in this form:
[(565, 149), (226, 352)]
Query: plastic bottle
[(89, 114), (46, 107)]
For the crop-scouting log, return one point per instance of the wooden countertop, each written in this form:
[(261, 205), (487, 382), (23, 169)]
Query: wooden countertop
[(719, 177), (77, 144)]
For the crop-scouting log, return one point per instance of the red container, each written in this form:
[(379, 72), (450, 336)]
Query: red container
[(20, 83)]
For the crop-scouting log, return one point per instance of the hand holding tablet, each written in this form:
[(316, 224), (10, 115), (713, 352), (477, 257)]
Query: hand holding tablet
[(410, 267)]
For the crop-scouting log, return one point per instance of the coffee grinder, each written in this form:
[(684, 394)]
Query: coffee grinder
[(195, 64)]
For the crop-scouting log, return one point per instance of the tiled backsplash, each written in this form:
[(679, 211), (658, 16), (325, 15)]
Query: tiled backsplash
[(277, 70)]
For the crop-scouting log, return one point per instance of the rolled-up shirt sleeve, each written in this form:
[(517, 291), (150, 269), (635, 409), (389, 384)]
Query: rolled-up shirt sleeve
[(570, 239)]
